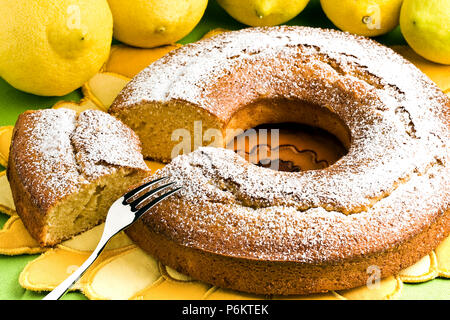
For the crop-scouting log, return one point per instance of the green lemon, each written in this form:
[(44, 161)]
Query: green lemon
[(426, 27)]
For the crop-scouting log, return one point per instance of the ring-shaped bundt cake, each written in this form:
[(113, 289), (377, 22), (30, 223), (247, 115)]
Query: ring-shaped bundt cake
[(240, 226)]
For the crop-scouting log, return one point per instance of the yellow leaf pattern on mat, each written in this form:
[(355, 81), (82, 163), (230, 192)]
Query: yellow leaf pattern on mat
[(389, 288), (443, 258), (214, 32), (173, 286), (216, 293), (173, 274), (6, 199), (122, 276), (15, 239), (153, 166), (55, 265), (103, 88), (84, 104), (5, 141), (165, 289), (88, 240), (425, 269), (320, 296), (129, 61)]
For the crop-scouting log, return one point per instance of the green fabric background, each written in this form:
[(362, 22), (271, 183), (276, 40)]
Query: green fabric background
[(14, 102)]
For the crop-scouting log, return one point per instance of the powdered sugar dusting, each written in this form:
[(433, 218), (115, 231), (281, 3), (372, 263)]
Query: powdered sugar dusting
[(56, 152), (101, 141), (44, 156), (393, 182), (190, 72), (217, 212)]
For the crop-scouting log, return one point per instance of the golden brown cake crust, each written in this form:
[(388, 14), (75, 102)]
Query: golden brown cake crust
[(389, 194), (54, 153), (267, 277)]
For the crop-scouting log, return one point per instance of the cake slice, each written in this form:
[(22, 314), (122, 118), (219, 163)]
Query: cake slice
[(66, 169)]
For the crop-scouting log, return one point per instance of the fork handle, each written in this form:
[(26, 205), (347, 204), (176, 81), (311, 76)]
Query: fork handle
[(62, 288)]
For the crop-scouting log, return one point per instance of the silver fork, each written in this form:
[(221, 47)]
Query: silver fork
[(123, 212)]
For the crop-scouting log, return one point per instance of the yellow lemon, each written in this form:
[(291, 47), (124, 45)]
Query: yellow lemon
[(152, 23), (363, 17), (263, 12), (52, 47), (426, 27)]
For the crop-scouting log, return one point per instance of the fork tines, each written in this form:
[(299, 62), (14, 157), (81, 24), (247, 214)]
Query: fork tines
[(137, 199)]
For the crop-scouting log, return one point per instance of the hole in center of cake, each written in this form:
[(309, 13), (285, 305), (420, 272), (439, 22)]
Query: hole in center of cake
[(290, 147), (307, 136)]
